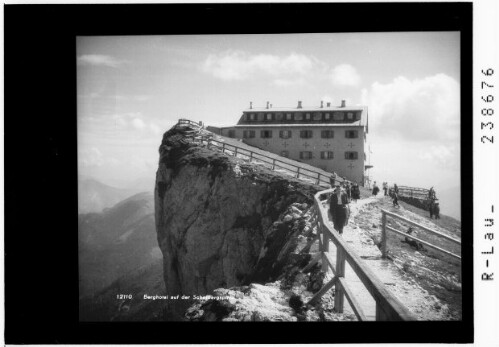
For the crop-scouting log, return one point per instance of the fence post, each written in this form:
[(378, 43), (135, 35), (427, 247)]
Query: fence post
[(383, 234), (325, 249), (235, 152), (298, 173), (273, 164), (223, 147), (339, 296), (251, 156), (380, 314), (319, 178)]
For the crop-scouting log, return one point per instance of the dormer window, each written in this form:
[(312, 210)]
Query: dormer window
[(279, 116), (252, 116), (317, 116), (269, 116), (327, 116), (298, 116), (350, 116), (261, 116), (307, 116), (338, 116)]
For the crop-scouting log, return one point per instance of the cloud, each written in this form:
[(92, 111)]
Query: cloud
[(99, 60), (238, 65), (142, 97), (282, 82), (90, 157), (345, 75), (425, 109), (443, 156), (155, 129), (138, 123)]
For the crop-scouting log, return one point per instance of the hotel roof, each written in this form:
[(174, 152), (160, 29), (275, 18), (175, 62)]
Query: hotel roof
[(363, 121)]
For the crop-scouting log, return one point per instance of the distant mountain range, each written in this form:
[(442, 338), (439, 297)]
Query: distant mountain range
[(116, 242), (94, 196)]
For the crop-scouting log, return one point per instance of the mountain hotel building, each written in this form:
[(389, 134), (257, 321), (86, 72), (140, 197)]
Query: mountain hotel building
[(330, 138)]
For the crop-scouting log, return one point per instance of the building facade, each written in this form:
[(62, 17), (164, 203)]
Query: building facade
[(330, 138)]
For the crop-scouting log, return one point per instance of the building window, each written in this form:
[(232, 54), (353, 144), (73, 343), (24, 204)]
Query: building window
[(338, 116), (248, 134), (261, 116), (289, 116), (269, 116), (298, 116), (327, 155), (252, 116), (285, 134), (350, 115), (327, 134), (305, 155), (266, 134), (351, 155), (357, 115), (351, 134), (327, 116), (317, 116), (306, 134), (307, 116), (285, 154), (279, 116), (232, 133)]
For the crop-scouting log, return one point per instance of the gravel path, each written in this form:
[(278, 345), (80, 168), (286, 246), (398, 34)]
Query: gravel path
[(424, 305)]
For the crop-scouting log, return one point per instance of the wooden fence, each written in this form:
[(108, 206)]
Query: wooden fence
[(413, 192), (385, 227), (183, 121), (388, 307), (299, 172)]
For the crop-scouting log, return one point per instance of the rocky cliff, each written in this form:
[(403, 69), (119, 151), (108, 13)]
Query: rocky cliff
[(222, 222)]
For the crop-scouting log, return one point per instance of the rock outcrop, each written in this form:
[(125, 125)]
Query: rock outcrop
[(222, 222)]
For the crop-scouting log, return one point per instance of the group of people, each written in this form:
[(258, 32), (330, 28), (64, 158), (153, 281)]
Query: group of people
[(344, 192), (392, 192)]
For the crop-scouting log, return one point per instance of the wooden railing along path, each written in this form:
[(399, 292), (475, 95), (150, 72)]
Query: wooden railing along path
[(413, 192), (298, 171), (385, 227), (388, 307)]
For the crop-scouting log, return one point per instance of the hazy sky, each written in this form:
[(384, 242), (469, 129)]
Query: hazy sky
[(132, 89)]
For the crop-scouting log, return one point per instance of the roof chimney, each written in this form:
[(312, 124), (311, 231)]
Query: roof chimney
[(299, 104), (267, 105), (322, 104), (343, 103), (251, 105), (328, 104)]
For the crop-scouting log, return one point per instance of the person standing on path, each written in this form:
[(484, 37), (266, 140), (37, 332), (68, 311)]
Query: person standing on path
[(355, 192), (340, 211), (436, 209), (332, 179), (431, 207), (395, 197), (385, 188), (348, 191), (375, 189)]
